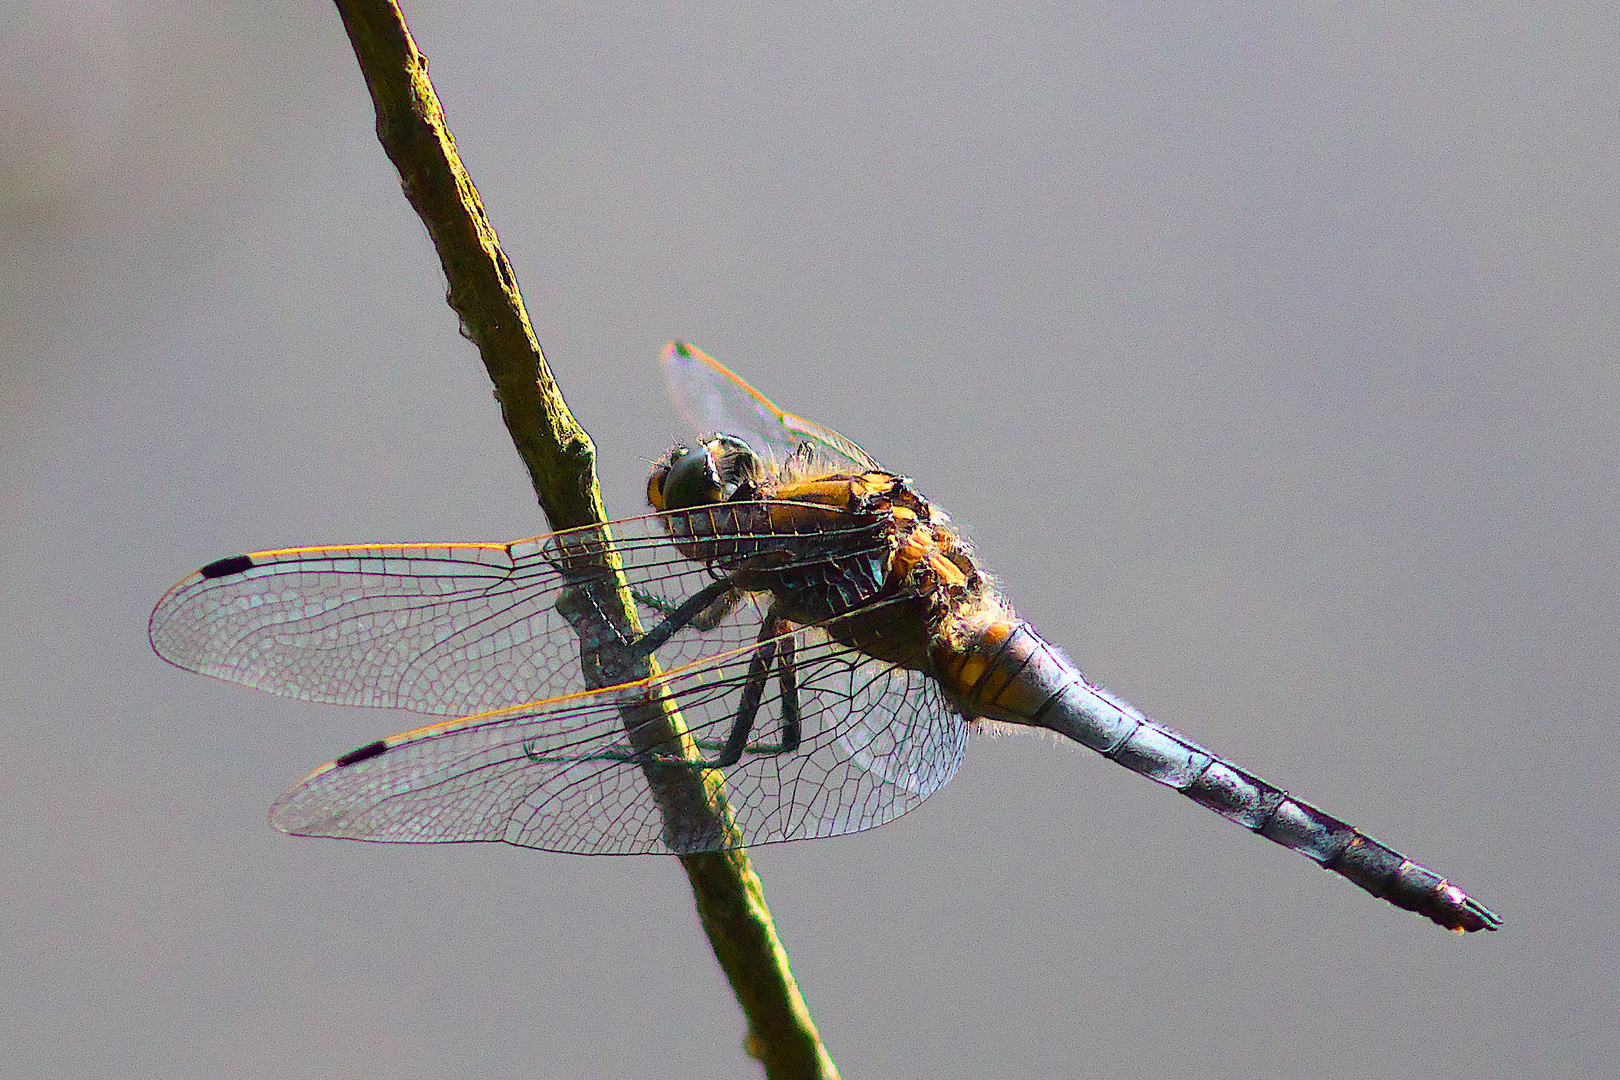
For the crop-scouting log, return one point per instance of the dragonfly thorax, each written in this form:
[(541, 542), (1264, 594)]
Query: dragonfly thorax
[(861, 548)]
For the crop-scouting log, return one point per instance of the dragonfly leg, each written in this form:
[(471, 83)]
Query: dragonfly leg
[(792, 722), (730, 752), (705, 620), (774, 649), (699, 609), (610, 653), (788, 679), (759, 673)]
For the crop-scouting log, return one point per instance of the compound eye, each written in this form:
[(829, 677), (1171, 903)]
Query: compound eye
[(685, 479), (735, 463)]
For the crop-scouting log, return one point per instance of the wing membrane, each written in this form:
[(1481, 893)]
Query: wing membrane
[(445, 629), (561, 775), (716, 399)]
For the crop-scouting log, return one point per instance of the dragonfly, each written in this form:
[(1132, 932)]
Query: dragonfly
[(793, 644)]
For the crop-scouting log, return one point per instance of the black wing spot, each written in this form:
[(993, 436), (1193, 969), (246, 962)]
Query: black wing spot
[(234, 564), (370, 750)]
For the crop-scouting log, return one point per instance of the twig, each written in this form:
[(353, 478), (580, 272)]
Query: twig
[(562, 466)]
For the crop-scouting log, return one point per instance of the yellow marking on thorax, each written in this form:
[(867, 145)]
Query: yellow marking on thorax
[(829, 491), (840, 491), (946, 570)]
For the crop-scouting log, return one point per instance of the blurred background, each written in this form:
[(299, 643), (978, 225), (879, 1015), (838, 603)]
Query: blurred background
[(1267, 353)]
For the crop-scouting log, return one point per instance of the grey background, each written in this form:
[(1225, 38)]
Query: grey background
[(1268, 352)]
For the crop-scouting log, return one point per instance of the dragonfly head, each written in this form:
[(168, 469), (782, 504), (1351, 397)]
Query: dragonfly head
[(718, 469)]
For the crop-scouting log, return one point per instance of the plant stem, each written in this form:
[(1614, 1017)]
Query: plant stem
[(562, 466)]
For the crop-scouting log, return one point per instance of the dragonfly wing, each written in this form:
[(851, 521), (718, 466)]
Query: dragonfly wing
[(877, 740), (713, 398), (445, 629), (563, 775)]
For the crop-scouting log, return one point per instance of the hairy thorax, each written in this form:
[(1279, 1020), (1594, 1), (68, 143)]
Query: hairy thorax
[(864, 554)]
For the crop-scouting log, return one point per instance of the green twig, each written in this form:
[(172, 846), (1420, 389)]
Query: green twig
[(562, 466)]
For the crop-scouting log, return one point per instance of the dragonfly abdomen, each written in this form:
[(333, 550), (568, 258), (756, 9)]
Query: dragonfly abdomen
[(1009, 672)]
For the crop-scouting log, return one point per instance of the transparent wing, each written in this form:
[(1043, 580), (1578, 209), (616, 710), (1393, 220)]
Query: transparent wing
[(562, 775), (715, 399), (434, 628)]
